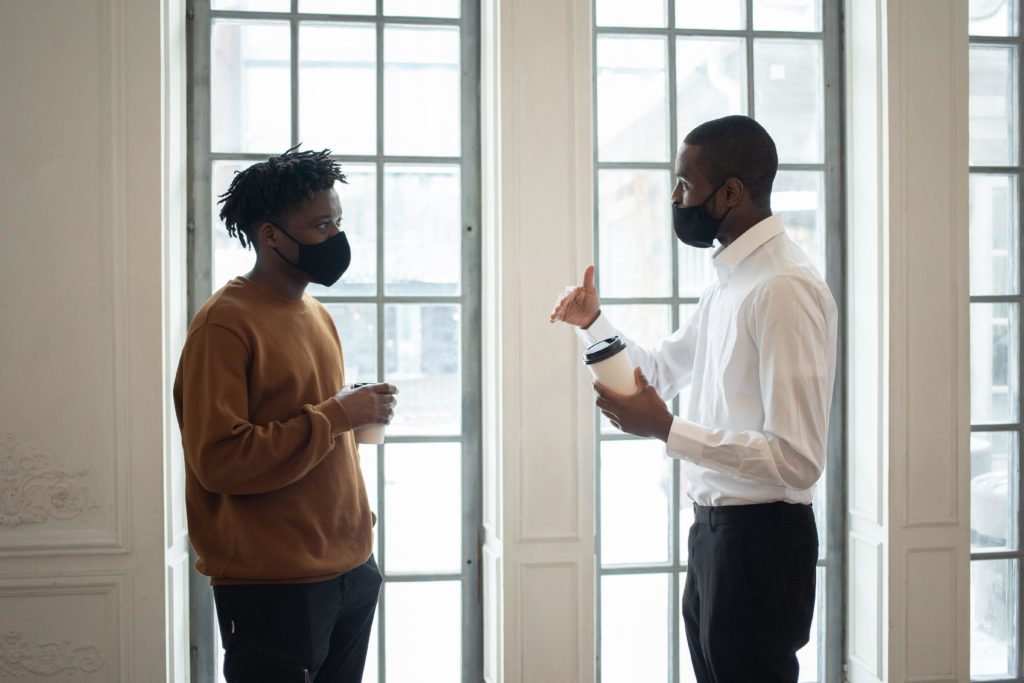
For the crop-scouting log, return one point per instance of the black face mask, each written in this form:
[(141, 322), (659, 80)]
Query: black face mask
[(695, 226), (324, 262)]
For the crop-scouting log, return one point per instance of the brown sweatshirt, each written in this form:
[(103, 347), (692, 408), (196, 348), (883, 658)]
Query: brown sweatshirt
[(273, 488)]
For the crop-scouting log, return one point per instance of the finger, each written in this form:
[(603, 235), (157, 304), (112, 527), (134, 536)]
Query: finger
[(641, 379), (605, 404), (601, 390), (387, 389), (588, 277)]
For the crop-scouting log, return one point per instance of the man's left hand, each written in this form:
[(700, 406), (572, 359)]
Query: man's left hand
[(642, 414)]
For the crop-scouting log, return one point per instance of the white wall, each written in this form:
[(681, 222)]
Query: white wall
[(909, 422), (539, 447), (83, 408)]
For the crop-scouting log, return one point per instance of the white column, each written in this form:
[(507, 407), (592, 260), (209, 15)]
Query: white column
[(83, 411), (909, 422), (539, 443)]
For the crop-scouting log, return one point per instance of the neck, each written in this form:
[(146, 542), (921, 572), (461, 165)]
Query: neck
[(282, 280), (734, 229)]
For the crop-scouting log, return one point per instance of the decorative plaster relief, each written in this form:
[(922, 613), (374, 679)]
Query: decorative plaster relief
[(18, 657), (33, 490)]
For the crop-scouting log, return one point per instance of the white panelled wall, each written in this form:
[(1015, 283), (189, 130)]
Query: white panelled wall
[(92, 562), (92, 547), (538, 433), (908, 427)]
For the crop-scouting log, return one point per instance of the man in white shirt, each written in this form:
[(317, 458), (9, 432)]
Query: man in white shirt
[(760, 357)]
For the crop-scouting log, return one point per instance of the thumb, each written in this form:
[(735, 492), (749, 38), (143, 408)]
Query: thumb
[(641, 379), (588, 277)]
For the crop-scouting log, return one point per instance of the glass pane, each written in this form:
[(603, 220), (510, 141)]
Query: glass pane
[(696, 270), (724, 14), (789, 97), (338, 88), (632, 99), (359, 221), (635, 233), (994, 495), (646, 324), (994, 344), (686, 517), (230, 258), (423, 632), (994, 234), (252, 5), (711, 80), (422, 358), (357, 329), (636, 625), (686, 311), (338, 6), (819, 506), (422, 8), (994, 618), (422, 207), (250, 87), (787, 15), (810, 655), (368, 461), (993, 105), (799, 197), (423, 508), (635, 13), (421, 91), (636, 484), (993, 17)]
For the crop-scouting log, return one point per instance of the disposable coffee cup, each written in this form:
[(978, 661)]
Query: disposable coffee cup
[(609, 363), (369, 434)]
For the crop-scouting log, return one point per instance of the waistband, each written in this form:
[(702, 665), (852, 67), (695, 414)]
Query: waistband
[(759, 514)]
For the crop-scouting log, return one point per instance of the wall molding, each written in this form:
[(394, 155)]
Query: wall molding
[(25, 653)]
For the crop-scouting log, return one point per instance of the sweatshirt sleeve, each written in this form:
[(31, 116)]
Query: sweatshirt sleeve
[(228, 453)]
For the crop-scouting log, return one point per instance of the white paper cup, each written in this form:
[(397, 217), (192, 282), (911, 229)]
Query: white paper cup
[(609, 363), (369, 434)]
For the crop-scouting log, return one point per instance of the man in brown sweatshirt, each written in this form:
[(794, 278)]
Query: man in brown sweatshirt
[(277, 508)]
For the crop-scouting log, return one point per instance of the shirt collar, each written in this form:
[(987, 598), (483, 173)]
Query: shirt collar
[(728, 258)]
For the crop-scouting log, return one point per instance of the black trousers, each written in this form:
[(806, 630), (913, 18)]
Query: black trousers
[(749, 595), (304, 632)]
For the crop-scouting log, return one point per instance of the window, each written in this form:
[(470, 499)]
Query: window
[(389, 86), (663, 67), (995, 286)]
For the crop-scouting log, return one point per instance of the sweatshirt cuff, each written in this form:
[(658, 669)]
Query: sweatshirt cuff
[(336, 415), (599, 330)]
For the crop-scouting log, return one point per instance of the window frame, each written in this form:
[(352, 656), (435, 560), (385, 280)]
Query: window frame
[(1015, 172), (203, 636), (832, 638)]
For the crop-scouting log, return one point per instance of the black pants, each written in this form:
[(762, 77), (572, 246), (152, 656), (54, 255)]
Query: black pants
[(749, 596), (304, 632)]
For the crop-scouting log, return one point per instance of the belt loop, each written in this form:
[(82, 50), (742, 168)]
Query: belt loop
[(711, 517)]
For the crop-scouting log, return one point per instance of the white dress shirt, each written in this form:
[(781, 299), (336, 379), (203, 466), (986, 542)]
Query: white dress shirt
[(760, 357)]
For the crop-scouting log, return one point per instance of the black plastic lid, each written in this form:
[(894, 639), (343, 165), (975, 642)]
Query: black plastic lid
[(603, 350)]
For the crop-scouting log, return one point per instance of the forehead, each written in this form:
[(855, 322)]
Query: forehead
[(322, 203), (688, 163)]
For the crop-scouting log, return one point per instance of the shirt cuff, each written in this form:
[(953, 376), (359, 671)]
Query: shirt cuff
[(336, 415), (686, 440), (599, 330)]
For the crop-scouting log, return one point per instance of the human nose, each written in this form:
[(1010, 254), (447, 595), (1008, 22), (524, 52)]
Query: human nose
[(677, 194)]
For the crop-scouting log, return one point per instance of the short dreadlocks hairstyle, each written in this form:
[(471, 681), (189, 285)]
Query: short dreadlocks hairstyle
[(268, 190)]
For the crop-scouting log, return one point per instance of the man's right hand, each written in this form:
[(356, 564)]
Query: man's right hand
[(373, 404), (581, 305)]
